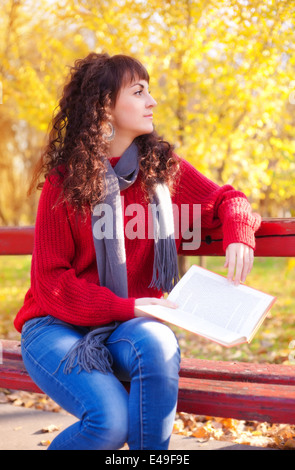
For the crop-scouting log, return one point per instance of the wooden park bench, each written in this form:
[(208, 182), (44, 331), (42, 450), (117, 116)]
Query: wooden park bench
[(248, 391)]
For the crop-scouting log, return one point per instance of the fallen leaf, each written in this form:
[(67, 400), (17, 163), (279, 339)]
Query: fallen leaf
[(201, 434), (18, 402), (228, 423), (13, 397), (289, 444), (29, 404), (50, 428), (45, 443), (178, 425)]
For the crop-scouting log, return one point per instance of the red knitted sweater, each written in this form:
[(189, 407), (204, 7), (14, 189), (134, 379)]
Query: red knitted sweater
[(64, 277)]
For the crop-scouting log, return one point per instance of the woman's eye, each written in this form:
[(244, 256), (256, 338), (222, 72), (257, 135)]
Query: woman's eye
[(139, 92)]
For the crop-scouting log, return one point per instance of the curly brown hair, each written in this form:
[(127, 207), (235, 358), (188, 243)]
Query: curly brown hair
[(76, 148)]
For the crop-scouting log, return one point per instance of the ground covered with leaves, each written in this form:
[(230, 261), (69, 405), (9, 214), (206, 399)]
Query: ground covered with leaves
[(272, 344), (201, 428)]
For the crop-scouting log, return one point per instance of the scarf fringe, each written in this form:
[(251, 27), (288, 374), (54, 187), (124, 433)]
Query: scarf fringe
[(90, 352), (165, 270)]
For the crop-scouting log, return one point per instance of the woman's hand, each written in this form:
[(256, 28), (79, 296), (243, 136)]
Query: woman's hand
[(151, 301), (239, 261)]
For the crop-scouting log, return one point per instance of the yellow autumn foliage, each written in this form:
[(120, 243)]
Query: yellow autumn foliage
[(221, 72)]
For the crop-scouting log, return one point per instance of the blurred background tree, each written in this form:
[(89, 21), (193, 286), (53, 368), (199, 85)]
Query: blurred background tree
[(221, 72)]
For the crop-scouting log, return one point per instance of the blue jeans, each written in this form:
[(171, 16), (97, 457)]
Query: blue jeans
[(145, 353)]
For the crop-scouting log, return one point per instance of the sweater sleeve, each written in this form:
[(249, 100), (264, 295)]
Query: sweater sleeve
[(220, 205), (55, 285)]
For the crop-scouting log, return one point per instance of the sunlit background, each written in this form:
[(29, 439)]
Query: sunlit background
[(222, 73)]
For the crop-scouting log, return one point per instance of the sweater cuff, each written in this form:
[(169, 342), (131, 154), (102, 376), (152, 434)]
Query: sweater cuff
[(123, 309), (234, 232)]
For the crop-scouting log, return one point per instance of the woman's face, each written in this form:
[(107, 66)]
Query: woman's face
[(133, 112)]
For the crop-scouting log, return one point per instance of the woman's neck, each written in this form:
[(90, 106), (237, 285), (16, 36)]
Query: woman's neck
[(118, 147)]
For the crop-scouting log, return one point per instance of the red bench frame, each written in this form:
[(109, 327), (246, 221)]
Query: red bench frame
[(261, 392)]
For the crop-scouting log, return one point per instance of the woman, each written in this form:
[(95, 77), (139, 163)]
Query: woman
[(82, 331)]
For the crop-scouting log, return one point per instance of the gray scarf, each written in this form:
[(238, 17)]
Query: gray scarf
[(108, 234)]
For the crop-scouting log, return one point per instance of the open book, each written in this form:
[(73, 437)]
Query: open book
[(210, 306)]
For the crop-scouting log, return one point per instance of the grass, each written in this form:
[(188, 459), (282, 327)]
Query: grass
[(14, 283), (271, 343)]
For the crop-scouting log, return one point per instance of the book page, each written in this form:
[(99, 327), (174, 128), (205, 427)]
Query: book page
[(208, 297), (194, 324)]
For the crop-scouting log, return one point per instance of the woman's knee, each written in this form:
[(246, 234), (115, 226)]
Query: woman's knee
[(158, 347)]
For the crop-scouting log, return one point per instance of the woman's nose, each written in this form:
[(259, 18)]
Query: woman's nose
[(151, 102)]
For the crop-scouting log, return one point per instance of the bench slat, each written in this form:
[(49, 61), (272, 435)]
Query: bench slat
[(16, 240), (13, 379), (238, 371), (238, 400), (275, 237), (11, 350)]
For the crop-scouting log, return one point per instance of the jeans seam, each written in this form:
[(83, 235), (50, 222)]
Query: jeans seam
[(140, 381)]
